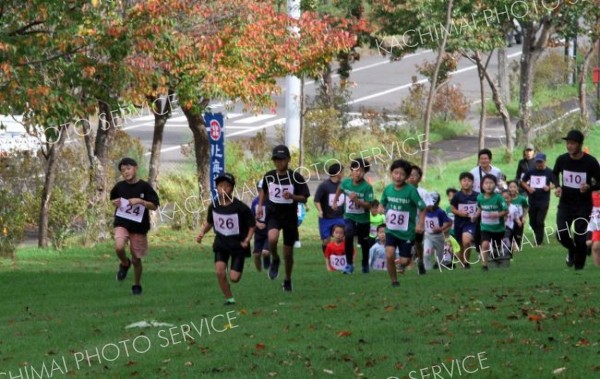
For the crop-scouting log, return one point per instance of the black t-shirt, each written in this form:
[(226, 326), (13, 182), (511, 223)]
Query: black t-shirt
[(574, 173), (231, 223), (324, 196), (462, 201), (523, 167), (538, 179), (142, 190), (275, 185)]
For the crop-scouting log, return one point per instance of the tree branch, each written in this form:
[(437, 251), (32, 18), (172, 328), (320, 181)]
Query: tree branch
[(23, 29)]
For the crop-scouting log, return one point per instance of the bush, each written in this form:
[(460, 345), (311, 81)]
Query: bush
[(450, 103), (550, 71), (12, 222)]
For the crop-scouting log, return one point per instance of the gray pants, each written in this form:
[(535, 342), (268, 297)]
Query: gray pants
[(433, 249)]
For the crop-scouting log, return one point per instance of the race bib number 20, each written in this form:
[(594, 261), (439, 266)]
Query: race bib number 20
[(131, 212)]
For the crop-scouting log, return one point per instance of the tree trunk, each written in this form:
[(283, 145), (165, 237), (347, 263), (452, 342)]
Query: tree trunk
[(503, 78), (160, 120), (532, 50), (504, 115), (326, 88), (201, 146), (583, 84), (482, 115), (432, 90), (52, 157), (105, 137)]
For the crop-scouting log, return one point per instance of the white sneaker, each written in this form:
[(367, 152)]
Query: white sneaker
[(297, 244)]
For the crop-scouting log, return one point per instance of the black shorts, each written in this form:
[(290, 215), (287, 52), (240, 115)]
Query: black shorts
[(494, 237), (419, 237), (237, 259), (290, 229), (261, 240)]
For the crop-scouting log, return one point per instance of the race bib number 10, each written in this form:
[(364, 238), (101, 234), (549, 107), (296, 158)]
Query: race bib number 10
[(574, 179), (131, 212)]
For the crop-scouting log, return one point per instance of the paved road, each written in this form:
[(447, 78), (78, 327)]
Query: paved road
[(379, 84)]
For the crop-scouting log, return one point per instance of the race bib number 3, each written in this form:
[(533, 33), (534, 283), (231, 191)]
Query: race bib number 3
[(537, 181), (397, 220), (338, 262), (227, 225), (277, 191), (131, 212), (573, 179)]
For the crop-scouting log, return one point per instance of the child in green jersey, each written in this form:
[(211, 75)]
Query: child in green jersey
[(492, 208), (402, 205)]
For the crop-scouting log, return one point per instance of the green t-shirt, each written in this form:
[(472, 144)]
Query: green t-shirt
[(495, 203), (376, 220), (521, 203), (364, 191), (451, 217), (401, 206)]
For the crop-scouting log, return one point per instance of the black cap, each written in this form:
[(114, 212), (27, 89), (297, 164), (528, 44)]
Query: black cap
[(574, 135), (225, 176), (334, 169), (127, 162), (280, 152)]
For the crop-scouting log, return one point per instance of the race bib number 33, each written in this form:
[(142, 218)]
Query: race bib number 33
[(131, 212)]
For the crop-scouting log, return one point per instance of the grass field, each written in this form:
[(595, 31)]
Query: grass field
[(64, 315), (524, 322)]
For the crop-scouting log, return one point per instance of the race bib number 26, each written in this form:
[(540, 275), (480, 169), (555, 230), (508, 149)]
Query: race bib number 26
[(131, 212), (227, 225)]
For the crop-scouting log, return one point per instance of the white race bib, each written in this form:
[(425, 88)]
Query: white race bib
[(340, 201), (338, 262), (397, 220), (573, 179), (227, 225), (489, 218), (131, 212), (379, 264), (352, 207), (264, 212), (431, 223), (594, 224), (469, 208), (537, 181), (276, 192)]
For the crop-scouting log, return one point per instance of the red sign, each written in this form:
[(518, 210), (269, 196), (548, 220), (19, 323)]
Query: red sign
[(596, 75), (215, 130)]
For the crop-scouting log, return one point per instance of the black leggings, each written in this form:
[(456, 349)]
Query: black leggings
[(355, 229), (574, 240)]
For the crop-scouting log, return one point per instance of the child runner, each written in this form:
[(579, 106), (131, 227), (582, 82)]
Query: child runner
[(520, 202), (376, 219), (234, 226), (450, 192), (359, 194), (324, 200), (415, 178), (464, 205), (437, 223), (400, 202), (282, 190), (510, 222), (335, 251), (131, 197), (492, 209), (594, 226), (261, 238), (377, 251), (537, 183)]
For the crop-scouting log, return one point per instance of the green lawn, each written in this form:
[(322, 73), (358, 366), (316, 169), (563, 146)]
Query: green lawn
[(64, 315), (65, 305)]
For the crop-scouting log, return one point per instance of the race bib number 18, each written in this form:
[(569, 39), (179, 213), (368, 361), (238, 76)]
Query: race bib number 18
[(131, 212)]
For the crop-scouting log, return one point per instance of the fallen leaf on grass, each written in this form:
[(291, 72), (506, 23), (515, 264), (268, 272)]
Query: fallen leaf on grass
[(271, 374), (188, 363), (559, 370), (389, 308), (329, 306), (582, 342), (326, 371), (260, 346), (130, 363), (535, 317), (344, 333)]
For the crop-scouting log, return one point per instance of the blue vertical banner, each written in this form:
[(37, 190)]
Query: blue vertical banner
[(216, 138)]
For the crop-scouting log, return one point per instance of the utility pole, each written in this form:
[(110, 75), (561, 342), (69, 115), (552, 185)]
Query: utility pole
[(293, 91)]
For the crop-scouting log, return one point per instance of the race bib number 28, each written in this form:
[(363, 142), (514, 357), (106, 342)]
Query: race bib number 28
[(397, 220), (131, 212)]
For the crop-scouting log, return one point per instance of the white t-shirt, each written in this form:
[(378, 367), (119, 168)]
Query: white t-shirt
[(477, 178), (425, 196), (513, 214)]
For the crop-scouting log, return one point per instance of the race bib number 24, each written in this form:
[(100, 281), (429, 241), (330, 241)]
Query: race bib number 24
[(131, 212)]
